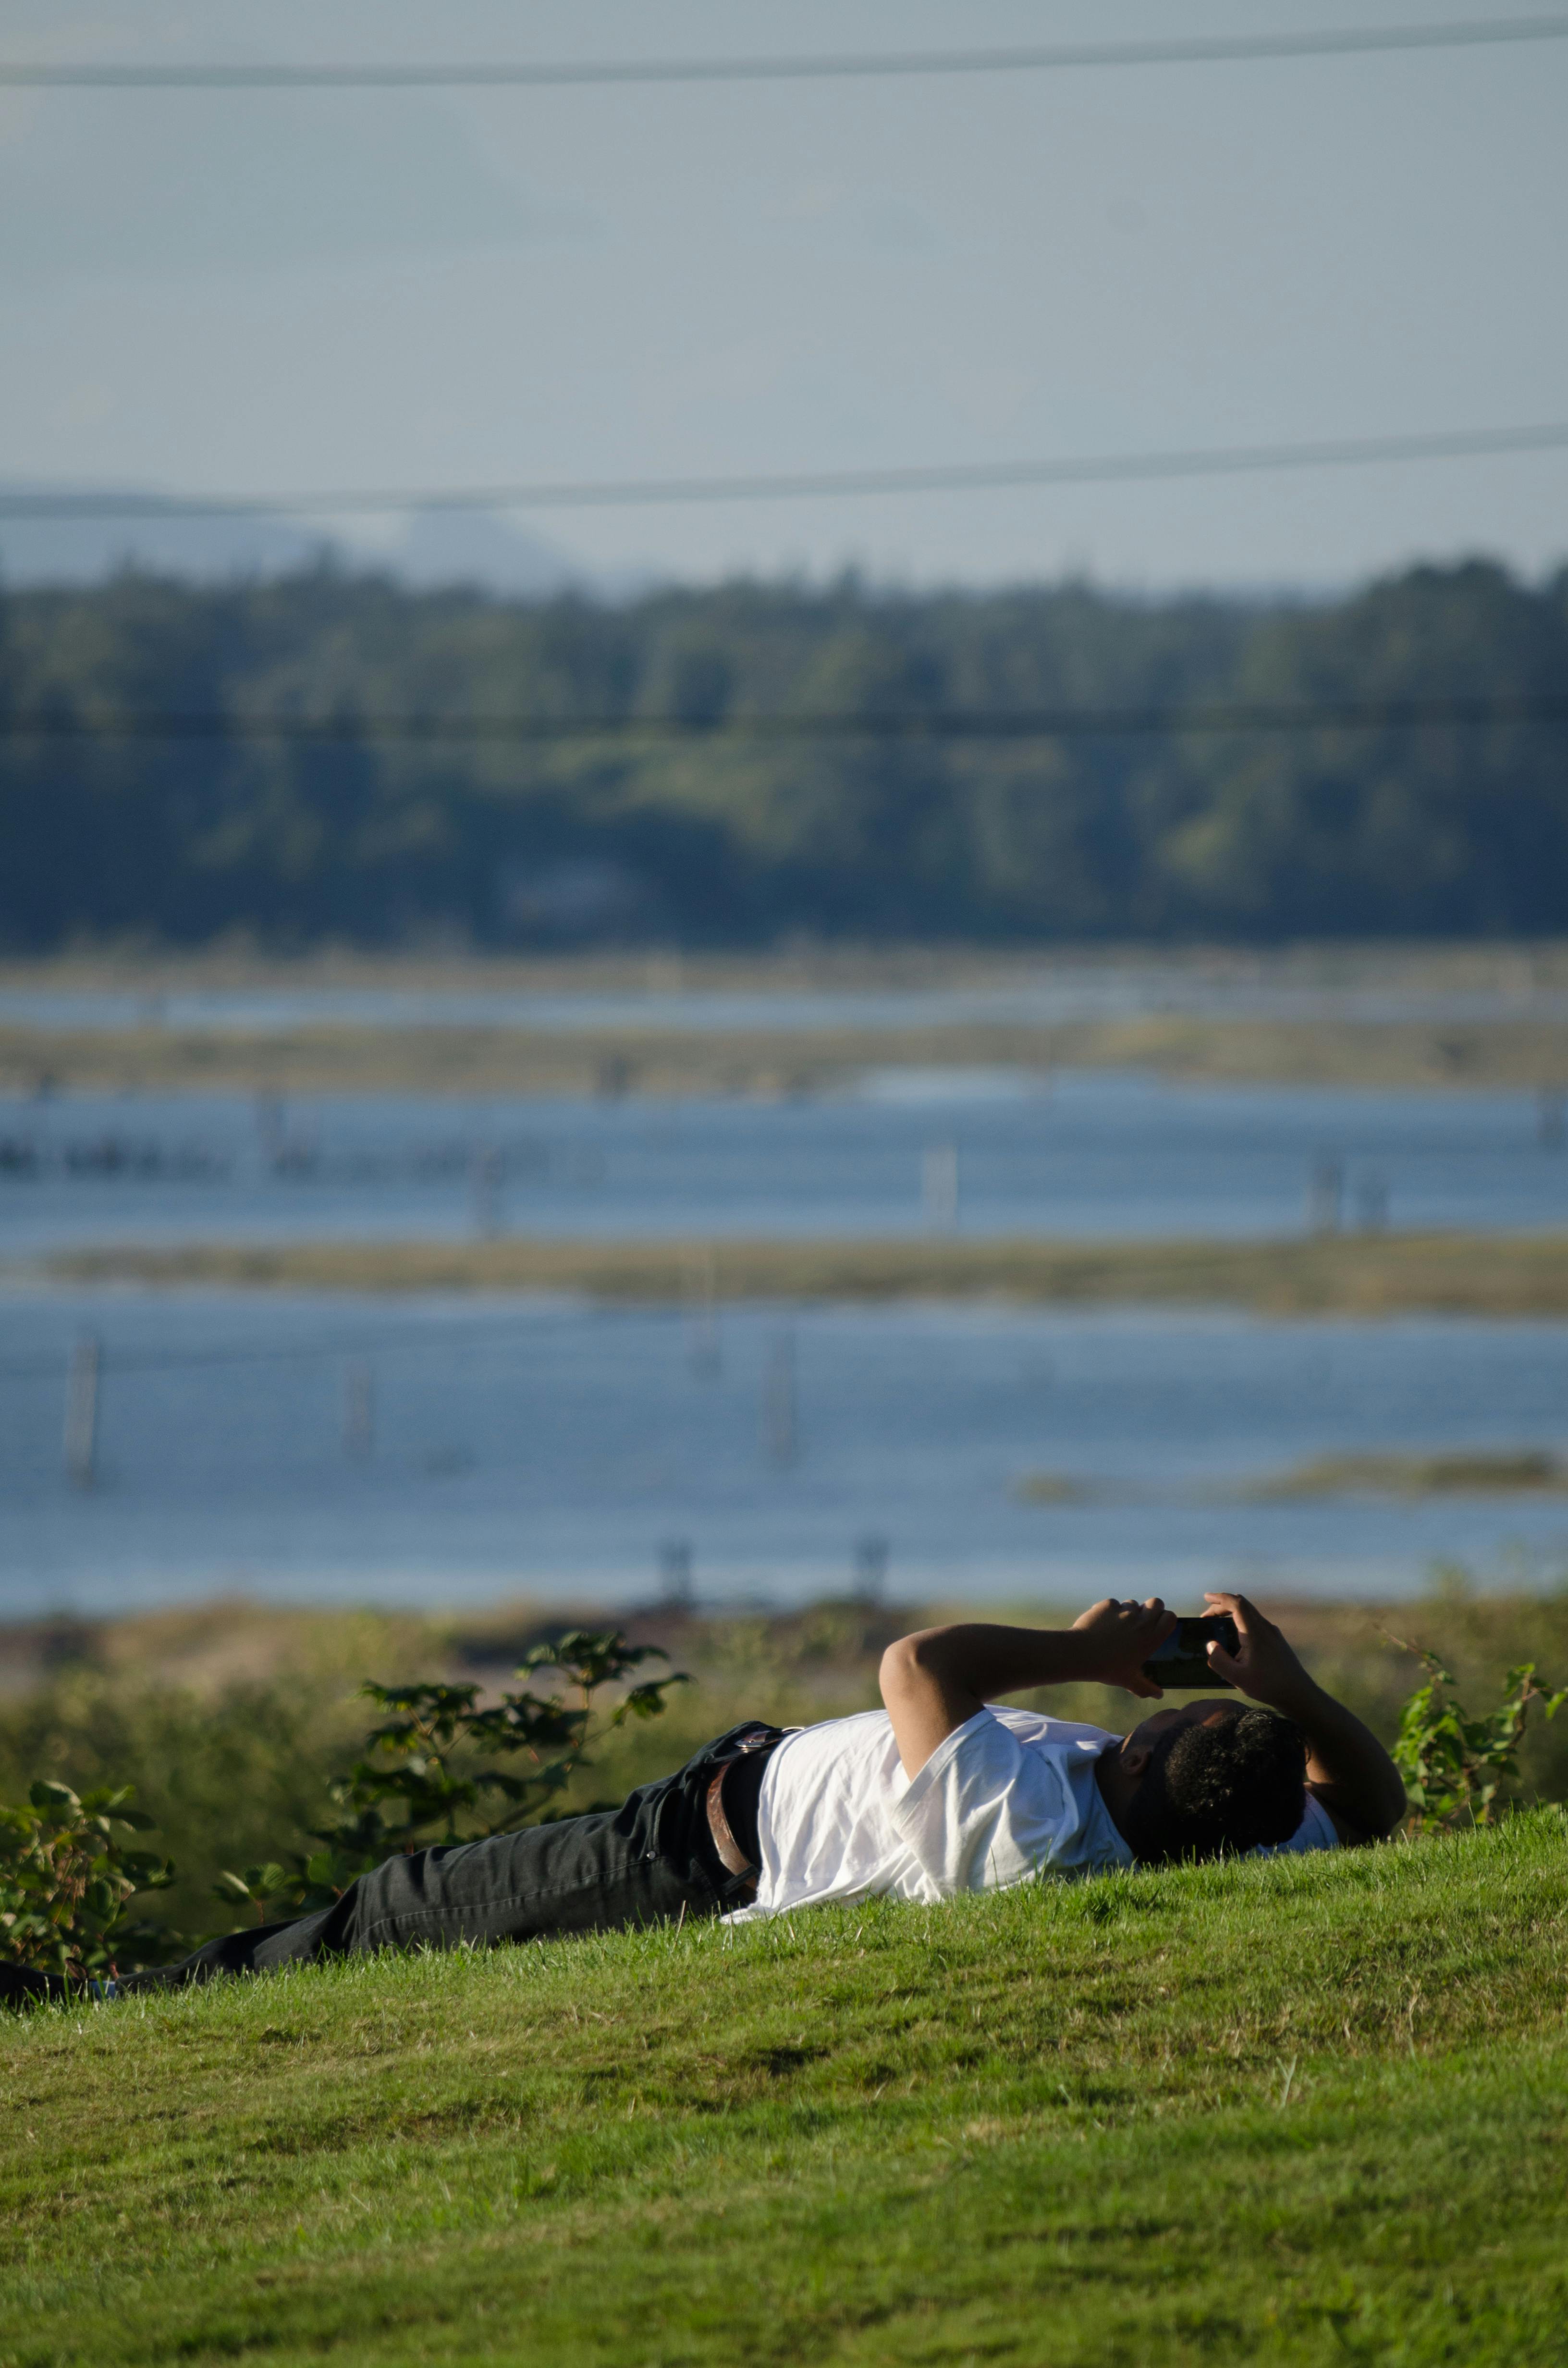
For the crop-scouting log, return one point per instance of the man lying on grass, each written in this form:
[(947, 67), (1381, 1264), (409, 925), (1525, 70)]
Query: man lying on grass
[(936, 1795)]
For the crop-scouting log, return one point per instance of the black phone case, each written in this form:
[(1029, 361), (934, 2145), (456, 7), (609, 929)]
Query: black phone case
[(1187, 1674), (1180, 1663)]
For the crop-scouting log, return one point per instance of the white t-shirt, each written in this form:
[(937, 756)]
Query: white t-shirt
[(1005, 1795)]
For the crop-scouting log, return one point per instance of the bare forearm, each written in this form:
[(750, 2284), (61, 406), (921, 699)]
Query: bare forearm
[(979, 1659), (1346, 1766), (939, 1678)]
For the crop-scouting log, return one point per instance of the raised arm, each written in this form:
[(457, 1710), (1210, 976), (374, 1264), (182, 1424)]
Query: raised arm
[(1347, 1767), (938, 1678)]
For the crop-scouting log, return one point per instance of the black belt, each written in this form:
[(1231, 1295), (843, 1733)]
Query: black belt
[(733, 1797)]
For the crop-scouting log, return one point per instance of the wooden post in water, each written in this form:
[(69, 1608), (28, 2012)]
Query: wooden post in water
[(675, 1590), (780, 1430), (1372, 1204), (271, 1131), (704, 1351), (486, 1175), (1325, 1197), (359, 1412), (82, 1412), (870, 1570), (940, 1187)]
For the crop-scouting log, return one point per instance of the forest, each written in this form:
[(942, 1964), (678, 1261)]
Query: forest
[(325, 756)]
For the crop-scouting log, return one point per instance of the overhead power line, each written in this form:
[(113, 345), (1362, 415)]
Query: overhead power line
[(976, 476), (1244, 49), (481, 1332), (347, 727)]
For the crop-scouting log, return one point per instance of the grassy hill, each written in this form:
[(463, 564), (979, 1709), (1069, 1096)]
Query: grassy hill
[(1303, 2112)]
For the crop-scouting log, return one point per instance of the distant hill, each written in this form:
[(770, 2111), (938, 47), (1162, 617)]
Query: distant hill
[(435, 547)]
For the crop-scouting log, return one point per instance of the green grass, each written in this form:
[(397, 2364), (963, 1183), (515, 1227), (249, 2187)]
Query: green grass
[(1308, 2111)]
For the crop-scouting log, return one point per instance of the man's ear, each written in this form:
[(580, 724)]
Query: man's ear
[(1133, 1759)]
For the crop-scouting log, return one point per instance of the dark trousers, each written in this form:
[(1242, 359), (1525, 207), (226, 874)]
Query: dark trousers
[(647, 1862)]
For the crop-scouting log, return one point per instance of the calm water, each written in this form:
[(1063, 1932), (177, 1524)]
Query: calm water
[(441, 1452), (1089, 1155)]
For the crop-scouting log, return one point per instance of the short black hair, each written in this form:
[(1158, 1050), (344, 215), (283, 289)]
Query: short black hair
[(1230, 1784)]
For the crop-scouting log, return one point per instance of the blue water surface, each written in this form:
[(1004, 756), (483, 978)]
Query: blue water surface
[(443, 1451), (907, 1154)]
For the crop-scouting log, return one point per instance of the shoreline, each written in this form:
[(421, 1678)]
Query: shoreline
[(1511, 1275), (668, 1063)]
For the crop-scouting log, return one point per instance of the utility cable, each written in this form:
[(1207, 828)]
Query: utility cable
[(479, 1331), (1245, 49), (346, 727), (978, 476)]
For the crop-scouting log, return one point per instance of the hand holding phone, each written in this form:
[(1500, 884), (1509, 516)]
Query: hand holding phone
[(1182, 1665), (1264, 1667)]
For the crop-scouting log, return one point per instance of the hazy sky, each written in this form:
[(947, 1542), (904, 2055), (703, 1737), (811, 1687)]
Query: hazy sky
[(209, 291)]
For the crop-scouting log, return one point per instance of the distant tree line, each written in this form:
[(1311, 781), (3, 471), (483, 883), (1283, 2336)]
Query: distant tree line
[(686, 827)]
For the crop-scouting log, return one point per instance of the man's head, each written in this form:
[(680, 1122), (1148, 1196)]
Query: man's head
[(1216, 1776)]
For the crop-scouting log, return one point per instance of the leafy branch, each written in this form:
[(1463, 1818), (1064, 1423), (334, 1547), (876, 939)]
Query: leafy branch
[(1456, 1767), (67, 1880), (427, 1773)]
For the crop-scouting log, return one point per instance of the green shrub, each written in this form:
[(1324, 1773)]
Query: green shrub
[(427, 1772), (224, 1777), (67, 1880), (1459, 1769)]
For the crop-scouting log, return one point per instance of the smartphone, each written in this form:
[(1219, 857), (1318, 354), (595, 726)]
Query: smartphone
[(1181, 1664)]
